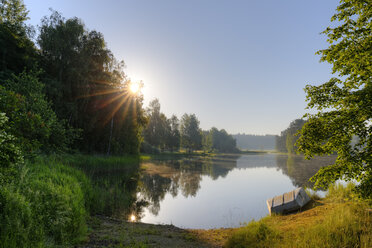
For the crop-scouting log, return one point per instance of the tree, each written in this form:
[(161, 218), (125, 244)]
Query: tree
[(221, 141), (33, 122), (344, 103), (207, 142), (155, 132), (286, 142), (13, 12), (88, 87), (191, 137), (17, 51), (174, 137)]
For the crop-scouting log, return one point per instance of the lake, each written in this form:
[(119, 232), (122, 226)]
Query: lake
[(223, 191)]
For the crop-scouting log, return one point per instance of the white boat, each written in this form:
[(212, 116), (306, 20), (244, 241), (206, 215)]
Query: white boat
[(288, 202)]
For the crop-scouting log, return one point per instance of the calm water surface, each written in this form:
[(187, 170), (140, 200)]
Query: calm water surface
[(222, 191)]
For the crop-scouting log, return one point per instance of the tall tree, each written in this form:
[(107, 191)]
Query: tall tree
[(13, 12), (344, 103), (88, 87), (286, 142), (156, 131), (191, 137), (17, 51), (222, 141), (174, 137), (33, 121)]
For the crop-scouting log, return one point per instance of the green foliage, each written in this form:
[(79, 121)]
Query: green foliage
[(10, 153), (44, 206), (338, 221), (221, 141), (344, 105), (286, 142), (88, 87), (33, 122), (161, 132), (111, 189), (255, 234), (57, 201), (13, 12), (174, 136), (346, 226), (15, 218), (191, 137), (340, 193), (17, 51)]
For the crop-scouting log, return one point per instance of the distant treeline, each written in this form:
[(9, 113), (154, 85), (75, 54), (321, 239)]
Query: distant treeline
[(286, 142), (255, 142), (171, 134)]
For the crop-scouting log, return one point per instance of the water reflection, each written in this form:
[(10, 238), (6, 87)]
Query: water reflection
[(236, 187), (181, 176), (300, 169)]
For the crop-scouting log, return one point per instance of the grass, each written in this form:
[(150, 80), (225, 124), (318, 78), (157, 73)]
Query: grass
[(113, 181), (338, 220), (48, 200), (44, 206)]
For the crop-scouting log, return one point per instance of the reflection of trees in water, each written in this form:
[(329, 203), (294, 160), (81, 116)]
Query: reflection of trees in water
[(180, 176), (114, 188), (300, 169)]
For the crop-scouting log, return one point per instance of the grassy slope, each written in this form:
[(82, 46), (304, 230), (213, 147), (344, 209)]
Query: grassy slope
[(339, 220)]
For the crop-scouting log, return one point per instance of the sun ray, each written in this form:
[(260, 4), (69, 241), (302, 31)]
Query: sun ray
[(113, 99), (100, 93), (117, 107)]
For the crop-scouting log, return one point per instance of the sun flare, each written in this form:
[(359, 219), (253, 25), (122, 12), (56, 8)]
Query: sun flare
[(133, 218), (134, 87)]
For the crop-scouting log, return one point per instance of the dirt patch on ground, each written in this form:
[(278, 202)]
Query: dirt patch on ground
[(110, 232)]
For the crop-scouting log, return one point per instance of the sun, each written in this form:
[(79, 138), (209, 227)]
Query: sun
[(134, 87)]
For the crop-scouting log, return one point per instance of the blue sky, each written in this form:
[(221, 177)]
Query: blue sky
[(238, 65)]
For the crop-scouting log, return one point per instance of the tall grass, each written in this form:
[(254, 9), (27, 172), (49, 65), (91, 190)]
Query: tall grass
[(47, 201), (43, 206), (113, 181), (255, 235), (347, 225), (341, 220)]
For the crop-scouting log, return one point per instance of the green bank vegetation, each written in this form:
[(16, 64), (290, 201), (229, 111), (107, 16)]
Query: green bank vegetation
[(338, 220), (48, 201)]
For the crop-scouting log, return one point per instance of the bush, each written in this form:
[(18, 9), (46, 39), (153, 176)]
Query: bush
[(10, 154)]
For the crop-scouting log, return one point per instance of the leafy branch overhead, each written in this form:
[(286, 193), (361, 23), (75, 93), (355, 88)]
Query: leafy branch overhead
[(344, 103)]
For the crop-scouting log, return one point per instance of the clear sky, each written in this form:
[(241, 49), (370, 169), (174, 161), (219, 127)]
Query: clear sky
[(238, 65)]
